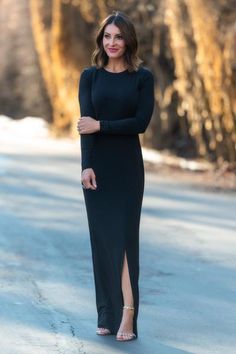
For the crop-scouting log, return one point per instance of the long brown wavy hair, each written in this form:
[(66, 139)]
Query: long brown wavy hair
[(126, 27)]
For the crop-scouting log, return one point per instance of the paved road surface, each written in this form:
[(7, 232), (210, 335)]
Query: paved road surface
[(188, 262)]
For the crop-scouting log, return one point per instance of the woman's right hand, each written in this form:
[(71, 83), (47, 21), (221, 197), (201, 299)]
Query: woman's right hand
[(88, 179)]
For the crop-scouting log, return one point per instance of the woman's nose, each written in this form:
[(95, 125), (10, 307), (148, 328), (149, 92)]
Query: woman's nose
[(112, 40)]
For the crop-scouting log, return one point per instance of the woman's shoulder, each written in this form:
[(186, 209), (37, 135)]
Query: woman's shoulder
[(144, 72), (145, 76), (87, 75), (88, 71)]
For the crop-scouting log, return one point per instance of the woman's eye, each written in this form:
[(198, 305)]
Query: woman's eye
[(107, 36)]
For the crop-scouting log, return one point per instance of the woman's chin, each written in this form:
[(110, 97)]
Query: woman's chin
[(114, 55)]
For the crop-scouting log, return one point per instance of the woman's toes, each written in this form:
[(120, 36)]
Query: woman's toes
[(120, 336), (124, 336), (102, 331)]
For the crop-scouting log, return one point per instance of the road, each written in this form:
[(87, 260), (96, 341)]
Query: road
[(187, 251)]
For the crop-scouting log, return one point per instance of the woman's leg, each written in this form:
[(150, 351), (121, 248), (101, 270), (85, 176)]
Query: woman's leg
[(126, 325), (126, 285)]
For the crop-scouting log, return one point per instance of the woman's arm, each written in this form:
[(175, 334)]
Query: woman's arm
[(86, 109), (139, 123)]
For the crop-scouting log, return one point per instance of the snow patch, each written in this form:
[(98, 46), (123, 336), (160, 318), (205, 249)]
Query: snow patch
[(32, 135), (26, 128), (165, 158)]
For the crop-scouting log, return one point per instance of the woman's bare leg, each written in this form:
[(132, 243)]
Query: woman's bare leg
[(126, 285), (126, 325)]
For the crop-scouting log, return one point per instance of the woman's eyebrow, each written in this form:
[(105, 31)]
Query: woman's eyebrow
[(117, 34)]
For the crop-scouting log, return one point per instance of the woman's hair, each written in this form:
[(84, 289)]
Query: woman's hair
[(126, 27)]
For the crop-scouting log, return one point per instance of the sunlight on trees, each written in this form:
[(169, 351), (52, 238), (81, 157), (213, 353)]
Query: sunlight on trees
[(189, 45)]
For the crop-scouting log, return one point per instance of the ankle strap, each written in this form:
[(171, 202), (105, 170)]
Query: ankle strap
[(128, 307)]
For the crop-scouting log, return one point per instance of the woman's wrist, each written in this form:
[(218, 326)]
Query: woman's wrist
[(98, 126)]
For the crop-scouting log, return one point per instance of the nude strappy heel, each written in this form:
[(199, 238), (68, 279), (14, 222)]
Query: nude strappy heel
[(101, 331), (128, 307), (125, 336)]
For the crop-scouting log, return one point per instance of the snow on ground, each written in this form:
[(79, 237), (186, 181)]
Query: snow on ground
[(25, 132), (28, 133), (24, 136), (27, 128)]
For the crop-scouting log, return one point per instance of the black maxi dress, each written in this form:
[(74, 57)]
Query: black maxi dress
[(123, 103)]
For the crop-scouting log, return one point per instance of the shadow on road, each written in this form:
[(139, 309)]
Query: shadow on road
[(187, 258)]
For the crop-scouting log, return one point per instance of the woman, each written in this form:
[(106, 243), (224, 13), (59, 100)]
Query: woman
[(116, 99)]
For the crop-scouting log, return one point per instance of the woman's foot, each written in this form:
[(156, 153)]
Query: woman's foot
[(125, 332), (103, 331)]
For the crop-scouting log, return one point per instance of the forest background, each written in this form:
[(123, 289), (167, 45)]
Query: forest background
[(189, 45)]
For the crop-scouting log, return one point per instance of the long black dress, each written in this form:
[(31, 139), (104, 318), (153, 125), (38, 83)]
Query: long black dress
[(123, 102)]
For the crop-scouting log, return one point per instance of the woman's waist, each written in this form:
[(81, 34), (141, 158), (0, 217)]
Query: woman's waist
[(115, 145), (117, 139)]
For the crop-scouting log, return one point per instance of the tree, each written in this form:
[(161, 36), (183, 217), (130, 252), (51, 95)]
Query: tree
[(188, 44)]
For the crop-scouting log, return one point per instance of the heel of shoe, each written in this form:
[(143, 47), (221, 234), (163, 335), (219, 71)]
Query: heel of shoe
[(126, 336), (101, 331)]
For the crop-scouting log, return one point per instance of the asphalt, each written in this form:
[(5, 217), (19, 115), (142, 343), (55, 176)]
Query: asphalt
[(47, 300)]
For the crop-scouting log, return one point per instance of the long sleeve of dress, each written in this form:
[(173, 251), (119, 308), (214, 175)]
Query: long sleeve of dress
[(138, 123), (86, 109)]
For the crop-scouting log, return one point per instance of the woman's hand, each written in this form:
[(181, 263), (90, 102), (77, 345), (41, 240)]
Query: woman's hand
[(88, 179), (88, 125)]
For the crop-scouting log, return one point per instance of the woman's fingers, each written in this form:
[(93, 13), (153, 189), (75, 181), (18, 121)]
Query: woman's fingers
[(87, 125), (88, 179), (82, 125), (94, 181), (88, 185), (87, 182)]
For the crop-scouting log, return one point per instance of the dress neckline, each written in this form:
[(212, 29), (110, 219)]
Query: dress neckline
[(114, 73)]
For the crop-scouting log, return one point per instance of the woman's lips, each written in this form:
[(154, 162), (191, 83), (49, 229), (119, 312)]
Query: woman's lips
[(112, 50)]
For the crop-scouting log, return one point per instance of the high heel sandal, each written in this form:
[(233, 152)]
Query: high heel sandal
[(103, 331), (125, 336)]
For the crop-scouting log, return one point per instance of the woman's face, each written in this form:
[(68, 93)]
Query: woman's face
[(113, 42)]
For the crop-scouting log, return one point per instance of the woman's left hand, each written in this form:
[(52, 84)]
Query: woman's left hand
[(88, 125)]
